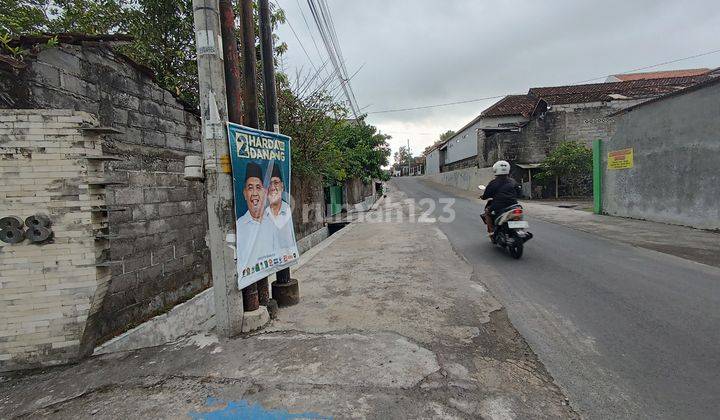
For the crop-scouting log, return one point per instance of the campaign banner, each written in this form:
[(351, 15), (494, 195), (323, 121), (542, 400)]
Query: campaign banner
[(261, 182)]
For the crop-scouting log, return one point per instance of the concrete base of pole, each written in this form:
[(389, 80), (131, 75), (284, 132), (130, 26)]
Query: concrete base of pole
[(254, 320), (286, 294)]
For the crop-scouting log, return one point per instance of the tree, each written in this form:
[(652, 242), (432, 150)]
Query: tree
[(446, 135), (325, 143), (402, 157), (365, 151), (165, 42), (571, 162), (21, 17)]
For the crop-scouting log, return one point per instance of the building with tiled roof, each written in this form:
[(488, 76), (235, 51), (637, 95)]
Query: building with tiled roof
[(522, 105), (624, 77), (524, 129), (607, 92)]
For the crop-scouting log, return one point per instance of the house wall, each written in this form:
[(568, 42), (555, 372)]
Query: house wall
[(432, 162), (49, 289), (463, 145), (157, 246), (533, 142), (675, 177)]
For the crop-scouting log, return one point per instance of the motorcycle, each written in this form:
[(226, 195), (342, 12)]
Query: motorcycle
[(510, 229)]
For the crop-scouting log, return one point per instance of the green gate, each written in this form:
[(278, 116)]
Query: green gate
[(335, 195)]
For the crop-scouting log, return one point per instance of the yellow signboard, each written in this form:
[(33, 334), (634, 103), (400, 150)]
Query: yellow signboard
[(620, 159)]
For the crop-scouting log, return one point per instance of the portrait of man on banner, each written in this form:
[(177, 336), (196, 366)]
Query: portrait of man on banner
[(264, 227)]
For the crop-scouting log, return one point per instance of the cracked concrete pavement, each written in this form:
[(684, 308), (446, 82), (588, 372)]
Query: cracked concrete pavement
[(391, 324)]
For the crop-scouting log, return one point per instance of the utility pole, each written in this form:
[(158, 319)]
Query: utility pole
[(409, 156), (285, 290), (268, 66), (218, 177), (259, 292), (232, 62)]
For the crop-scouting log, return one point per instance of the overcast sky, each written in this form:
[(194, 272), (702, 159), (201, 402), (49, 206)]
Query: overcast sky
[(422, 52)]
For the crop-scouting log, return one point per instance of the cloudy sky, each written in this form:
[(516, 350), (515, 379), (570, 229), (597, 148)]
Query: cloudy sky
[(420, 52)]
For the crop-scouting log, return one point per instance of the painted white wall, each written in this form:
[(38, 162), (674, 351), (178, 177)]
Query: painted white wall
[(432, 162), (464, 144)]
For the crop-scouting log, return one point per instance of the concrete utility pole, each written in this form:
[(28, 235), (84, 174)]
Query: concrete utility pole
[(218, 177), (285, 290), (257, 293)]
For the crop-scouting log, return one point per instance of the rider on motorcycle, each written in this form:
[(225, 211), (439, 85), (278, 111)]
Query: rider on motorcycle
[(503, 191)]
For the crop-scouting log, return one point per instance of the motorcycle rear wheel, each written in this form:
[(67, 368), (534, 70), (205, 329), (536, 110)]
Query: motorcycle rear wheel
[(516, 250)]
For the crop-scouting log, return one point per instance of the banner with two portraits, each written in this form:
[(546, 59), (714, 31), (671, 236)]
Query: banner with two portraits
[(261, 182)]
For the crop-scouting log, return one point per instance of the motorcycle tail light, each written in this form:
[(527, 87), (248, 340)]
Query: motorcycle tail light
[(517, 211)]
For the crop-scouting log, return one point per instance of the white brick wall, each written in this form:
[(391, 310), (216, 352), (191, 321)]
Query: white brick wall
[(47, 291)]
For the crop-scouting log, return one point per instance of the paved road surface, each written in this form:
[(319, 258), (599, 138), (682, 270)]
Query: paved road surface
[(626, 332)]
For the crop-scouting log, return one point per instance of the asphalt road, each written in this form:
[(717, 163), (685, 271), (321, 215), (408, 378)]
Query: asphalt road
[(626, 332)]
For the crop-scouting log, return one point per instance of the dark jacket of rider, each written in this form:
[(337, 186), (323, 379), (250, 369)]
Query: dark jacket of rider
[(504, 192)]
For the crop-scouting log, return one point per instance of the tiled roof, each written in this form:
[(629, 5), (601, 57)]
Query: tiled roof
[(661, 74), (512, 105), (604, 92), (709, 82)]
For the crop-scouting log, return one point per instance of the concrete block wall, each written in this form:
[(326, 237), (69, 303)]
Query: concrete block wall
[(355, 191), (575, 122), (466, 179), (48, 290), (157, 233), (308, 211), (675, 176)]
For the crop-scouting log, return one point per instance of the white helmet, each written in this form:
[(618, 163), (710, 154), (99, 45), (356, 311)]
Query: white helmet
[(501, 167)]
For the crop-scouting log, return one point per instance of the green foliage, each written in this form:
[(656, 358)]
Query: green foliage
[(446, 135), (325, 143), (23, 17), (571, 162), (165, 42), (88, 16), (402, 157), (364, 150)]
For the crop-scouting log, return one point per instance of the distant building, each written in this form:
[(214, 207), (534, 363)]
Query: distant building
[(657, 75), (524, 129), (565, 113)]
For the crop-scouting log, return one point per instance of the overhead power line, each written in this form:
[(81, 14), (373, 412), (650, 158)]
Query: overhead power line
[(656, 65), (437, 105), (323, 20), (298, 40), (502, 96)]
